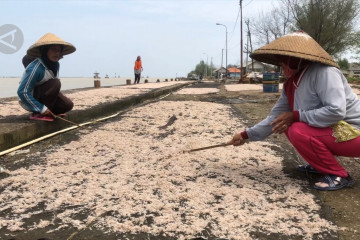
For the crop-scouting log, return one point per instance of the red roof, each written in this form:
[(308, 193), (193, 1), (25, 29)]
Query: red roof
[(233, 70)]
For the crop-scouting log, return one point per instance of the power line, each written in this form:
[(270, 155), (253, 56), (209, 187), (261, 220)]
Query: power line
[(237, 18), (248, 3)]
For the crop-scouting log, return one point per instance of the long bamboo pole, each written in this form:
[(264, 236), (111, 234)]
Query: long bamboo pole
[(75, 124)]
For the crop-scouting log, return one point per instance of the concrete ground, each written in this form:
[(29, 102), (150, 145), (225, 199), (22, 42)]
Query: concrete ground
[(340, 207)]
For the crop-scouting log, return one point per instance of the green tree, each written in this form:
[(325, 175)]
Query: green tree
[(200, 69), (232, 66), (330, 22), (344, 64)]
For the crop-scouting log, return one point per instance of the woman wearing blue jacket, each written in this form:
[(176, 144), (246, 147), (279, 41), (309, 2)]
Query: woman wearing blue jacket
[(39, 89)]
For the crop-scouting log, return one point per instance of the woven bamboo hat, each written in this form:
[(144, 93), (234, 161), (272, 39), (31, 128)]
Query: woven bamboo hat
[(50, 39), (297, 44)]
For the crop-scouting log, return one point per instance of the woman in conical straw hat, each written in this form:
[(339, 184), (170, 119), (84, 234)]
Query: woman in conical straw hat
[(317, 109), (39, 89)]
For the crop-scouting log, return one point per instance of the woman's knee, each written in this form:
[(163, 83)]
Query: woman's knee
[(67, 104), (70, 106), (51, 87), (297, 130)]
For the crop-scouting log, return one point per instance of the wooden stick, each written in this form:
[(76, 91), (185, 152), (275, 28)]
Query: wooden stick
[(203, 148), (53, 134), (67, 121), (35, 141)]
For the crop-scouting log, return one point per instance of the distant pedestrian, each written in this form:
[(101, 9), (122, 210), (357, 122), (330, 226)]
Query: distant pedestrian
[(317, 110), (138, 69), (39, 89)]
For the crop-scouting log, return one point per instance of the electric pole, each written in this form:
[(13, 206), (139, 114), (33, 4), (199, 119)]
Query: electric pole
[(241, 44), (222, 57)]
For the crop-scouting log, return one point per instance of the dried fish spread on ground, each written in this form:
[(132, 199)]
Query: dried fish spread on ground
[(197, 91), (89, 98), (243, 87), (355, 89), (140, 180)]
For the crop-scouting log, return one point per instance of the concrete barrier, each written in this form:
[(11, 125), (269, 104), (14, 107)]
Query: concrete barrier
[(19, 129)]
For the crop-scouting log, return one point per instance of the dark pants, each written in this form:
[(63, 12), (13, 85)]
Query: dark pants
[(137, 78), (49, 94)]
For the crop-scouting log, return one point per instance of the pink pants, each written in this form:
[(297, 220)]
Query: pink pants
[(318, 147)]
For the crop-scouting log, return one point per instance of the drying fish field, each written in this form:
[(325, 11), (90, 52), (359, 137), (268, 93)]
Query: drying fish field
[(131, 177)]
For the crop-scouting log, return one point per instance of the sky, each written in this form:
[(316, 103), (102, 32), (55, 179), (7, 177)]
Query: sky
[(171, 36)]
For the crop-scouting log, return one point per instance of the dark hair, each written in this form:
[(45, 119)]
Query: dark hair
[(53, 66), (27, 59)]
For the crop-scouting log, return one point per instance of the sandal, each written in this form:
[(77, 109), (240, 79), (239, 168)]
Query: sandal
[(40, 117), (334, 182), (306, 168)]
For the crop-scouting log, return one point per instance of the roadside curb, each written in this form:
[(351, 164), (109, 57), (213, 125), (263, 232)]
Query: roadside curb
[(22, 129)]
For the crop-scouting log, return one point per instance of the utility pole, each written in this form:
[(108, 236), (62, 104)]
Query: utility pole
[(206, 67), (226, 41), (222, 57), (241, 43), (247, 52)]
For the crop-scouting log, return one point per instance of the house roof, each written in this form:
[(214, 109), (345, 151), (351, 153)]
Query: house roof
[(354, 67), (255, 62), (233, 70), (218, 69)]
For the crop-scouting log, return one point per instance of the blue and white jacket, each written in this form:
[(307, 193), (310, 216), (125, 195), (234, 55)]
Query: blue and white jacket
[(36, 73)]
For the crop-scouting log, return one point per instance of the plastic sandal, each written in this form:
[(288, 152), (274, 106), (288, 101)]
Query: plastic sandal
[(335, 182), (40, 117), (306, 168)]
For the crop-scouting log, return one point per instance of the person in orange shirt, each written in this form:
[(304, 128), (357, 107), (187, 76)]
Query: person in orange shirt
[(137, 69)]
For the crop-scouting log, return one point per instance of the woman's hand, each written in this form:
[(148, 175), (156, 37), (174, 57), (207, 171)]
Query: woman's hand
[(49, 113), (237, 140), (282, 122)]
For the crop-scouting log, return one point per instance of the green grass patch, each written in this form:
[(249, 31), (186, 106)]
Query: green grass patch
[(354, 80)]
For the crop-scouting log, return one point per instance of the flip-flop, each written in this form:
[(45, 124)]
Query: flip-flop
[(306, 168), (40, 117), (335, 182)]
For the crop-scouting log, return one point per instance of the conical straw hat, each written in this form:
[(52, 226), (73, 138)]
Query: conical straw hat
[(50, 39), (298, 44)]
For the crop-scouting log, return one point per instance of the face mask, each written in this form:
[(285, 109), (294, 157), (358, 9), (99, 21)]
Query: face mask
[(288, 71)]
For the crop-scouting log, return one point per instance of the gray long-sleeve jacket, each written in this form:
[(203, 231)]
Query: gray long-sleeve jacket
[(322, 98)]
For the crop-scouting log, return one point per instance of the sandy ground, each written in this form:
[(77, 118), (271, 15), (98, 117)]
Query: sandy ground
[(130, 177)]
